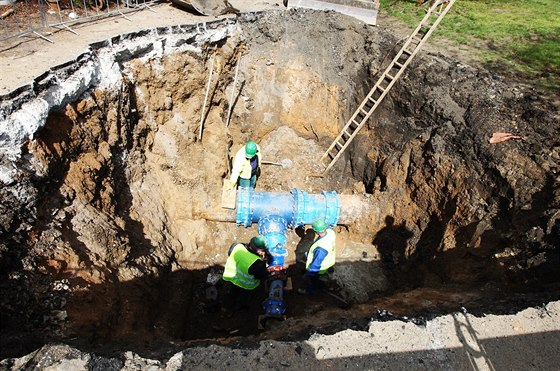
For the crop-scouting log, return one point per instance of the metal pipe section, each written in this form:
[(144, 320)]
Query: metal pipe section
[(297, 208), (352, 209), (274, 228)]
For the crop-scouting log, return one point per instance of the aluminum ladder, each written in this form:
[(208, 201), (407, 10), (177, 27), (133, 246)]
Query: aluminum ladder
[(410, 48)]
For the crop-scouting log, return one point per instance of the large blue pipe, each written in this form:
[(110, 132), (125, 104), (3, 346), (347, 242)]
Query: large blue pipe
[(275, 213), (297, 207)]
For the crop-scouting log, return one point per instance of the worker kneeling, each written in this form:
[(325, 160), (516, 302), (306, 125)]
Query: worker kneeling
[(246, 166), (245, 269), (320, 258)]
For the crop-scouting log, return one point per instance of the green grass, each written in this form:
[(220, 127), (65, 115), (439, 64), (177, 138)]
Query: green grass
[(522, 35)]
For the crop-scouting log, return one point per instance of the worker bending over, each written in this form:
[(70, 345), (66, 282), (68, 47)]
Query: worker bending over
[(245, 269), (320, 258), (246, 166)]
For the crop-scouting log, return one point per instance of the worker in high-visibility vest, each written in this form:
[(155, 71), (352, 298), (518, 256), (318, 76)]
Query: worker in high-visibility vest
[(246, 165), (320, 257), (246, 267)]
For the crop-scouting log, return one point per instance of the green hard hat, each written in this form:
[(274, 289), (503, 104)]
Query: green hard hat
[(258, 243), (250, 149), (319, 226)]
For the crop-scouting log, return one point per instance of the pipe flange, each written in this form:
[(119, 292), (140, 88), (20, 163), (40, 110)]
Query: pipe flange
[(332, 207), (295, 222), (300, 206), (272, 224)]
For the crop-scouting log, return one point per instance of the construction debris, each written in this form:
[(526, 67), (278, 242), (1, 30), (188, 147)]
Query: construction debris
[(6, 13), (498, 137), (364, 10)]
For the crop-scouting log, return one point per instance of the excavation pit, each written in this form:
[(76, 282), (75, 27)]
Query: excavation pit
[(110, 185)]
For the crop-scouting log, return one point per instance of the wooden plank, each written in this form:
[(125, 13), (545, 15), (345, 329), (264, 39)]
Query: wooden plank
[(229, 195)]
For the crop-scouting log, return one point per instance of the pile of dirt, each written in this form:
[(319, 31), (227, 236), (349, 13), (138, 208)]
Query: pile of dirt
[(103, 243)]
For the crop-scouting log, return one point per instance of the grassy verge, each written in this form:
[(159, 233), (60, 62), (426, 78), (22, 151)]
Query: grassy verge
[(521, 36)]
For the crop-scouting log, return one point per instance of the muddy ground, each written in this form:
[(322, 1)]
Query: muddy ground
[(107, 240)]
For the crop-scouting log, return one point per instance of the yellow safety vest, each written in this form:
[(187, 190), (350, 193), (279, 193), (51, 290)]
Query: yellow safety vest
[(242, 165), (237, 268), (327, 242)]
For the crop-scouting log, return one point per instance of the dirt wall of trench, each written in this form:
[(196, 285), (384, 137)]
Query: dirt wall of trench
[(450, 195), (124, 177)]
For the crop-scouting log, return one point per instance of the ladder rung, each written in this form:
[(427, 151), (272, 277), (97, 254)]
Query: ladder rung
[(389, 77), (404, 57)]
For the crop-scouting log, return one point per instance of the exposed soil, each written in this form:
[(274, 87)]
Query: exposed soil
[(106, 242)]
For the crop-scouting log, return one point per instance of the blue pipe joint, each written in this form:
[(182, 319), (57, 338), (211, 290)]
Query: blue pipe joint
[(275, 306), (274, 228), (332, 208), (309, 208), (271, 203), (251, 206)]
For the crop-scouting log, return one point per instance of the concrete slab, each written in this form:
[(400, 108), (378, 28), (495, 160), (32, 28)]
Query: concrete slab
[(364, 10)]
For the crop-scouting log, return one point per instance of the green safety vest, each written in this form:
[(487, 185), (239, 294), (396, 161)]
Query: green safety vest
[(327, 242), (237, 268)]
